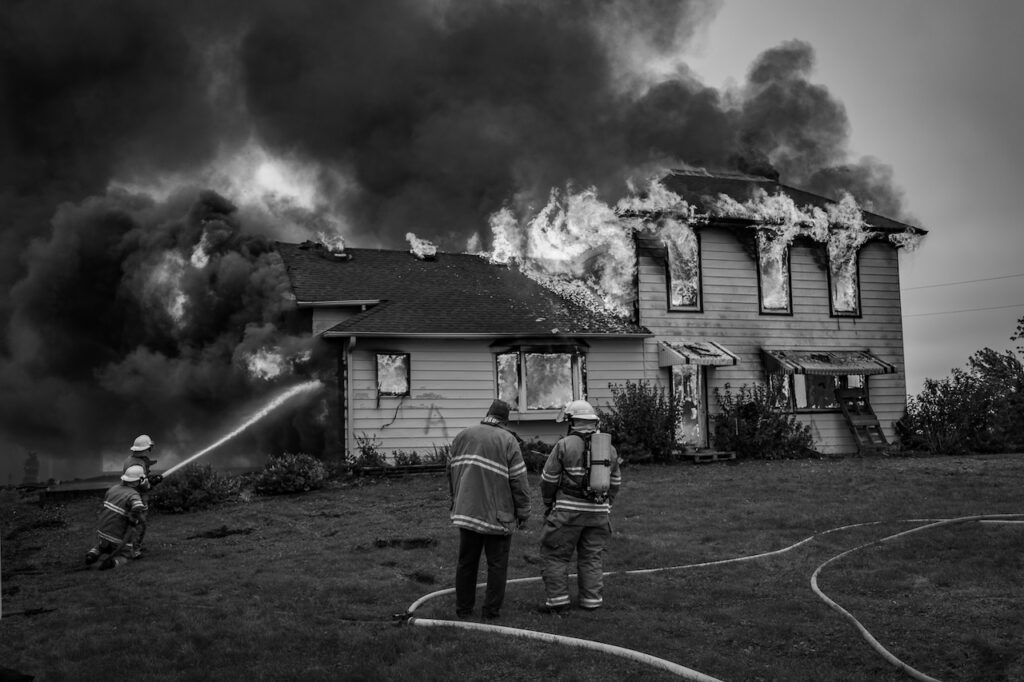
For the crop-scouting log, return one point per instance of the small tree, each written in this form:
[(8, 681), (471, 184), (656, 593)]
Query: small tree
[(978, 409), (751, 425), (642, 421)]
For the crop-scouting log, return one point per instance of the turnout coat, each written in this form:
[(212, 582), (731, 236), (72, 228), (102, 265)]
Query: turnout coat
[(487, 480)]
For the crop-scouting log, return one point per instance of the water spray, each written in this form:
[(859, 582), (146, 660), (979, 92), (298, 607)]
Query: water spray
[(263, 412)]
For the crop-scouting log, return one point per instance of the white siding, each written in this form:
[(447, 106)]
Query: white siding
[(452, 383), (731, 318)]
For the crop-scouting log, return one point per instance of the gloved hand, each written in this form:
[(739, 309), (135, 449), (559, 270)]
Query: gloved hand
[(521, 523), (154, 479)]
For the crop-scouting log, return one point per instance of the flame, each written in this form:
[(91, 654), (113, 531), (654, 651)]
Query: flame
[(164, 289), (266, 364), (421, 248)]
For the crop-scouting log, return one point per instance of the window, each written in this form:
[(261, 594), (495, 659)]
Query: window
[(773, 276), (843, 282), (808, 392), (535, 378), (392, 374), (683, 267)]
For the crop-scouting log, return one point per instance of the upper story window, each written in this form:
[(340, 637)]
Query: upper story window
[(392, 374), (541, 378), (684, 277), (843, 281), (773, 276)]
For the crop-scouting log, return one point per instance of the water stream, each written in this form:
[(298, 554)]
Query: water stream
[(256, 416)]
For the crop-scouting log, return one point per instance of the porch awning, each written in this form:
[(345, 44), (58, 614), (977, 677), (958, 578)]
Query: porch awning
[(825, 362), (688, 352)]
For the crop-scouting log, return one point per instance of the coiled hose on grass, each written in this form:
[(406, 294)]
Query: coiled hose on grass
[(688, 673)]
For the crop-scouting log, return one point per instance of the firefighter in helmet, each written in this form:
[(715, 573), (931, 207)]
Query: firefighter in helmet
[(577, 518), (119, 520), (139, 456)]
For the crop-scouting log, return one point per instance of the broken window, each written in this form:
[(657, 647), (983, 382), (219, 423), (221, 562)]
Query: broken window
[(683, 247), (392, 374), (813, 391), (687, 385), (540, 380), (844, 281), (773, 275)]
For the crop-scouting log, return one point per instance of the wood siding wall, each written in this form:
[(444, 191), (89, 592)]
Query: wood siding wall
[(452, 383), (731, 317)]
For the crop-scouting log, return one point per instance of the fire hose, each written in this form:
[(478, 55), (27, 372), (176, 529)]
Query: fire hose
[(682, 671)]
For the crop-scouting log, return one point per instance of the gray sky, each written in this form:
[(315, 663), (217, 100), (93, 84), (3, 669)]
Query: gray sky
[(934, 89)]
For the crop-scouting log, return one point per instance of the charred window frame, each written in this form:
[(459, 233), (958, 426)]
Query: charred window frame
[(844, 285), (537, 378), (683, 277), (774, 277), (393, 372), (812, 392)]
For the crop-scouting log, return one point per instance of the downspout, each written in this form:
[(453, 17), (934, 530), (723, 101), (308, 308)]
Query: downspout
[(349, 432)]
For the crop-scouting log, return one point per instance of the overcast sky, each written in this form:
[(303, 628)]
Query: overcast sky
[(933, 88)]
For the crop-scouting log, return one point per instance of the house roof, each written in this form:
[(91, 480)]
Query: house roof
[(455, 295), (699, 187)]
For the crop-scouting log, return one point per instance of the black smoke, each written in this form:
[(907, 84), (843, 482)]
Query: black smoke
[(436, 114)]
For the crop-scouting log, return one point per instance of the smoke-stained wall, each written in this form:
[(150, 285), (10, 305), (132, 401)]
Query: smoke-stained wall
[(153, 151)]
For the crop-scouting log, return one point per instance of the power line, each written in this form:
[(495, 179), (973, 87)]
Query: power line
[(966, 281), (965, 310)]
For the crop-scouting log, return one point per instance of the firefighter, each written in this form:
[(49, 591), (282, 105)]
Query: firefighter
[(119, 519), (490, 499), (139, 457), (577, 520)]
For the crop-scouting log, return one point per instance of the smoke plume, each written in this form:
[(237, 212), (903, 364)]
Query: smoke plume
[(154, 150)]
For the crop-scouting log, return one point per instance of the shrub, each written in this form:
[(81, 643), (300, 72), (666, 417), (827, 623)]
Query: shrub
[(196, 487), (753, 427), (535, 453), (368, 452), (642, 421), (980, 409), (290, 473)]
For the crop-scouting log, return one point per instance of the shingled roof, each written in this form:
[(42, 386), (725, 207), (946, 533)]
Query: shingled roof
[(456, 295), (700, 187)]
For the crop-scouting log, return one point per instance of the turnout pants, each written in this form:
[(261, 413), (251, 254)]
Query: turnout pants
[(588, 538), (496, 548)]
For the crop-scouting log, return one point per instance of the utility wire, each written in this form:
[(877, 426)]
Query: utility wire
[(966, 281), (965, 310)]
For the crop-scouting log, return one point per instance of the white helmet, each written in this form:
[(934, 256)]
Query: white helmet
[(133, 473), (142, 443), (578, 409)]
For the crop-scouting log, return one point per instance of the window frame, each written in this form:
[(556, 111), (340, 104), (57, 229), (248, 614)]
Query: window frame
[(787, 262), (577, 373), (698, 307), (833, 310), (789, 386), (408, 373)]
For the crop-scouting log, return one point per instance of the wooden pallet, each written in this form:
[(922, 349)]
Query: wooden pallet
[(705, 456)]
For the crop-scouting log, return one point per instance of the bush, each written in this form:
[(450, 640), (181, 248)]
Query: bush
[(290, 473), (368, 452), (977, 410), (196, 487), (642, 421), (753, 427), (535, 454)]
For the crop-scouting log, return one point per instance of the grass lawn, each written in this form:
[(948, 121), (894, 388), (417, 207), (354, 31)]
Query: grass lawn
[(304, 587)]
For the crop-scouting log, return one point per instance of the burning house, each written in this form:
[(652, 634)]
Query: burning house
[(724, 279)]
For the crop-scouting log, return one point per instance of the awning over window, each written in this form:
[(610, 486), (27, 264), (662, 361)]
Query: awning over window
[(825, 362), (687, 352)]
